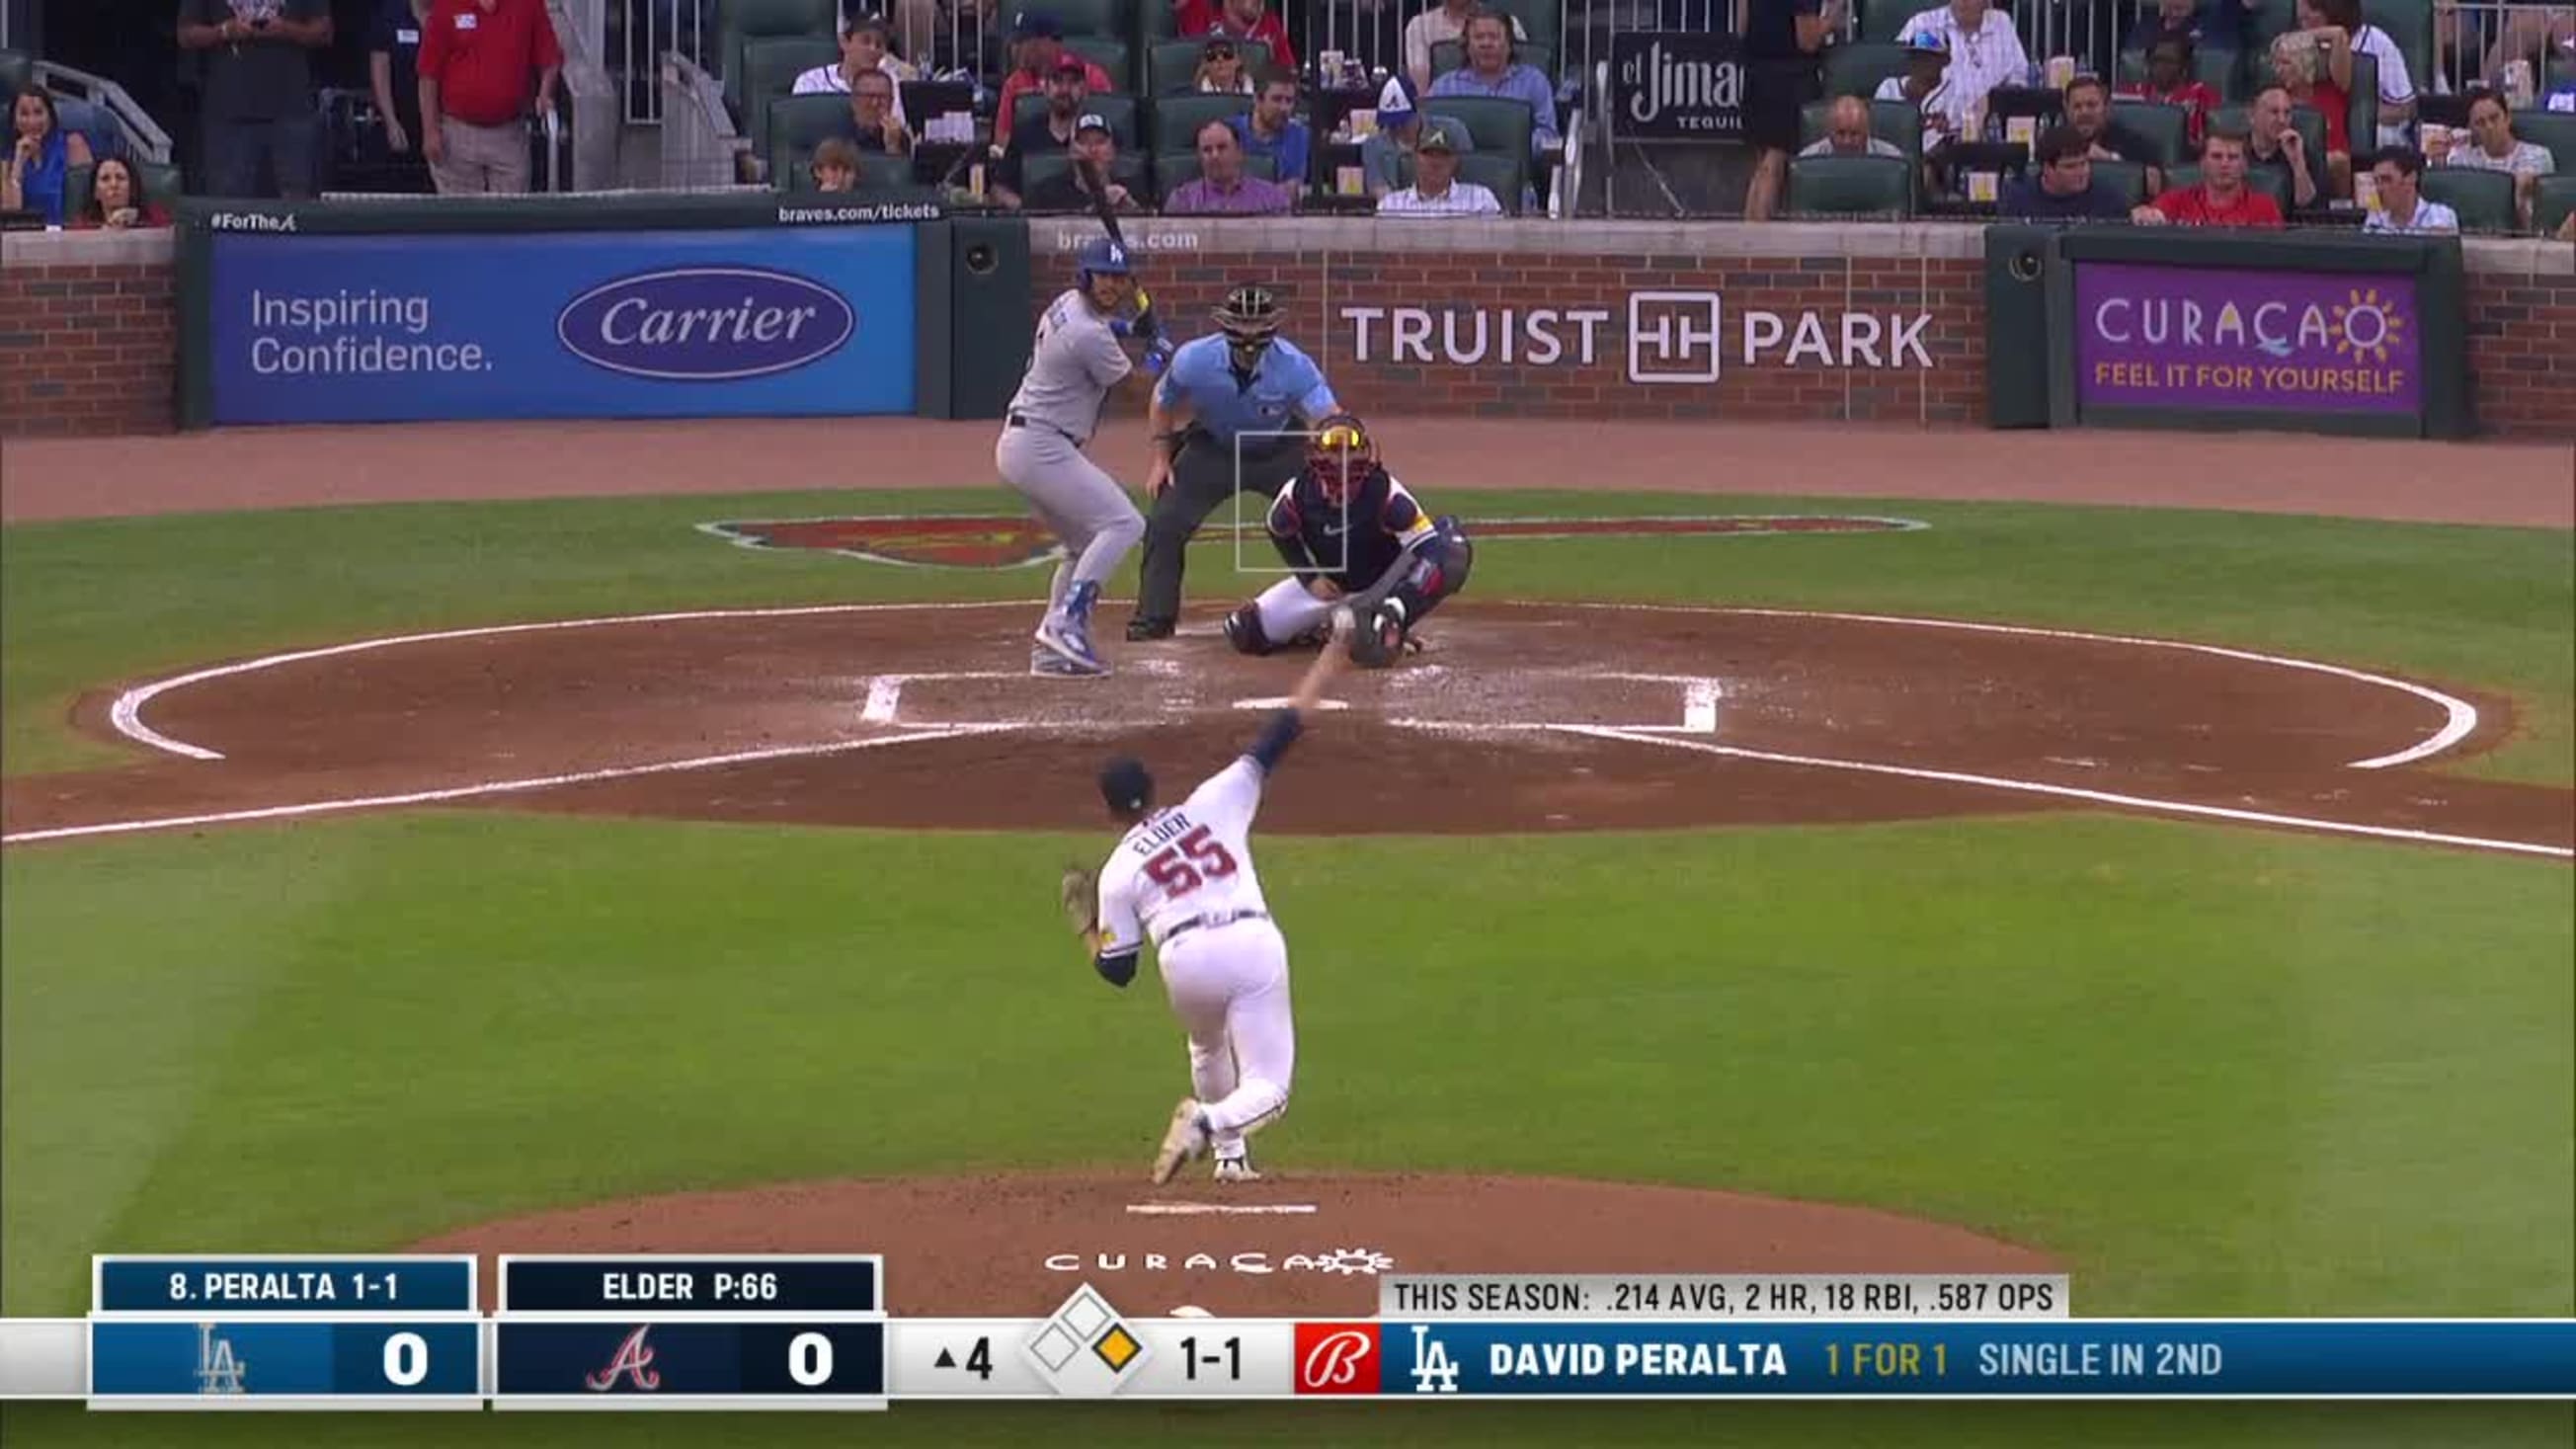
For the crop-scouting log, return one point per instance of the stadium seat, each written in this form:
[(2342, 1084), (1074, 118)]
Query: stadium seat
[(1172, 66), (2551, 201), (161, 184), (1119, 111), (2484, 199), (1128, 171), (1176, 168), (770, 66), (2308, 121), (1494, 173), (2266, 179), (1543, 21), (1109, 53), (2362, 121), (741, 22), (1448, 55), (17, 73), (2219, 67), (1103, 19), (2410, 24), (1856, 69), (2551, 131), (2165, 129), (1844, 186), (797, 124), (1177, 118), (1496, 125), (1898, 123), (1885, 19), (2129, 178)]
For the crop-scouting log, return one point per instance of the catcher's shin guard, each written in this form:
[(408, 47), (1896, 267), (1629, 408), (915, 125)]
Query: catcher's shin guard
[(1243, 630)]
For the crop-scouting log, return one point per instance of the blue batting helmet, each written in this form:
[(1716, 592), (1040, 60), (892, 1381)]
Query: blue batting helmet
[(1101, 257)]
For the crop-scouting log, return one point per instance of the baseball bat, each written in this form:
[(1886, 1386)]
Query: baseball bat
[(1100, 206)]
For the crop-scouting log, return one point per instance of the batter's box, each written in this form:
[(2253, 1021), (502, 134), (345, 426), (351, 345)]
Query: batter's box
[(1466, 702)]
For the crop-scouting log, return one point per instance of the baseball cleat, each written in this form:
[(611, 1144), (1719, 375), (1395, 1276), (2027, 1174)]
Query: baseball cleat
[(1066, 638), (1236, 1169), (1186, 1138), (1049, 664), (1143, 630)]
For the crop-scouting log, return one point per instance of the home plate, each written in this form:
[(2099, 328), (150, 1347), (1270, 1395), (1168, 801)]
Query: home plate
[(1201, 1209)]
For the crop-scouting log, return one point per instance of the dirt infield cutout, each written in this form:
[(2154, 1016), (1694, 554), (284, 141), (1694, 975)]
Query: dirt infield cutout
[(1294, 1244), (1520, 717)]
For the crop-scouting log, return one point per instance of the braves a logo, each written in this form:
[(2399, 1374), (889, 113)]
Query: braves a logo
[(634, 1361), (1337, 1358)]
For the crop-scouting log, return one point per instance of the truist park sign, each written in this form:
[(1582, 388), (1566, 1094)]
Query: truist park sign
[(1658, 337)]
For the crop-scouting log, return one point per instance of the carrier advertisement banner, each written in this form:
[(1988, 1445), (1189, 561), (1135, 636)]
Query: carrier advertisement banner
[(2247, 339), (329, 329)]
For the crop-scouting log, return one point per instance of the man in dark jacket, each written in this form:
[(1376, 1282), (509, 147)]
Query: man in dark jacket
[(2064, 189)]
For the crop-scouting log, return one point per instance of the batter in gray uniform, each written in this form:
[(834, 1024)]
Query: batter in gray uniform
[(1074, 366)]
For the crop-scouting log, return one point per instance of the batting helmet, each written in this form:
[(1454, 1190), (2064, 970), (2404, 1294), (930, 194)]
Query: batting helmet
[(1341, 454), (1100, 257)]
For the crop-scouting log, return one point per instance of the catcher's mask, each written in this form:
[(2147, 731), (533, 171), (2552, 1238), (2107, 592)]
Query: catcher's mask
[(1341, 455), (1249, 318), (1126, 785)]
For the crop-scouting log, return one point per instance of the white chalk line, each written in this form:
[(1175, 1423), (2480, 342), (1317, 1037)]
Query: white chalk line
[(493, 787), (2462, 717), (1203, 1209), (2072, 792)]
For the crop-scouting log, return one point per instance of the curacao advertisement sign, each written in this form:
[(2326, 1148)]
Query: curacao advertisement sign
[(2205, 338)]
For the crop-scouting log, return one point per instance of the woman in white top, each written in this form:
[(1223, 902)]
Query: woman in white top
[(866, 44)]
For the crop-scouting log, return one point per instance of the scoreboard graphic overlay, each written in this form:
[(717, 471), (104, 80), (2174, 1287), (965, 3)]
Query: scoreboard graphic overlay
[(810, 1332)]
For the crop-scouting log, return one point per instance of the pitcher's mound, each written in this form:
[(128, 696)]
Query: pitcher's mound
[(1299, 1245)]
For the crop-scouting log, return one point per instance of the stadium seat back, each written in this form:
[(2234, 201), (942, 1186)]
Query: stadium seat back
[(2165, 129), (1106, 19), (741, 22), (1857, 69), (2129, 178), (2551, 131), (770, 66), (1543, 21), (1848, 186), (797, 124), (2484, 199), (1177, 118), (2551, 202), (1109, 53)]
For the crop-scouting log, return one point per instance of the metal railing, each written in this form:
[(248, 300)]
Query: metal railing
[(144, 139), (700, 145)]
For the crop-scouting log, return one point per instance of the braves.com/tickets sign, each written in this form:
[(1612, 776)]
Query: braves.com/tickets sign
[(1658, 337)]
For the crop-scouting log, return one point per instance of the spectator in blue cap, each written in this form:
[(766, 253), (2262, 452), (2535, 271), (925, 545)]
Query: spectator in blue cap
[(1400, 129), (1926, 87)]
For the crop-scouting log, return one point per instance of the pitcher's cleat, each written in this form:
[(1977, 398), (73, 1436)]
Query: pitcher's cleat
[(1186, 1138)]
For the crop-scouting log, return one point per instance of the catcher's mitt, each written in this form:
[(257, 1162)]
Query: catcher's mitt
[(1079, 893)]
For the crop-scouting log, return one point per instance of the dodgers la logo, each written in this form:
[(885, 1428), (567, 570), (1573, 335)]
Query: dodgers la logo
[(634, 1362), (219, 1369), (1433, 1371)]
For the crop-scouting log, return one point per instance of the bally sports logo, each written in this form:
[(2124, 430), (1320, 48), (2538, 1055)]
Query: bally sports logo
[(706, 324), (1337, 1358)]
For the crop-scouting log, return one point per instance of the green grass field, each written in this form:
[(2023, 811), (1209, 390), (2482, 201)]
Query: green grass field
[(2217, 1071)]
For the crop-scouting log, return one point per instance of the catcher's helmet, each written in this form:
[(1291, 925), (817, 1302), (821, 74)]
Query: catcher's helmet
[(1341, 455)]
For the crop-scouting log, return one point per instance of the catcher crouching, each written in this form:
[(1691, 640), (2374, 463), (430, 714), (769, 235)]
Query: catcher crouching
[(1351, 533)]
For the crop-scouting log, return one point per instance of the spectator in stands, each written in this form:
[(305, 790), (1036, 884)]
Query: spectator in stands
[(116, 199), (1401, 125), (873, 124), (41, 155), (1272, 129), (1847, 133), (2403, 207), (1222, 187), (2492, 146), (2339, 32), (2300, 63), (1049, 131), (1784, 42), (867, 44), (1240, 19), (2170, 82), (2066, 189), (2087, 104), (393, 76), (1984, 53), (1926, 87), (835, 165), (2276, 143), (2200, 22), (1038, 44), (2221, 199), (476, 61), (1221, 71), (259, 114), (1436, 189), (1491, 71), (1444, 21), (1093, 143)]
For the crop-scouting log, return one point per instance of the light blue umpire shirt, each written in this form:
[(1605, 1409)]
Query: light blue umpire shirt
[(1287, 390)]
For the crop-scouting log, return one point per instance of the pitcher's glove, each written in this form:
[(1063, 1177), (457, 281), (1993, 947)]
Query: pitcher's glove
[(1079, 893)]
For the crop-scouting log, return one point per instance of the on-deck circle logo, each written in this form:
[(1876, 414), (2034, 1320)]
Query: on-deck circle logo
[(1338, 1358)]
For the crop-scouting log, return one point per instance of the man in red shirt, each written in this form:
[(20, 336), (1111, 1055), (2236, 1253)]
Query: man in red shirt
[(1039, 47), (477, 61), (1241, 19), (2222, 198)]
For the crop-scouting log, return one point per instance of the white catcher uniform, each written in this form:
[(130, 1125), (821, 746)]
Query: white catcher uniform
[(1183, 877)]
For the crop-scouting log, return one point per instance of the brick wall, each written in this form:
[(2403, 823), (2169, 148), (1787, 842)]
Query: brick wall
[(2522, 353), (89, 337)]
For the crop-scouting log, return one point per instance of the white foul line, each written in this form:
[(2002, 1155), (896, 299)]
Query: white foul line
[(2462, 716), (493, 787), (1197, 1209), (2070, 792)]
